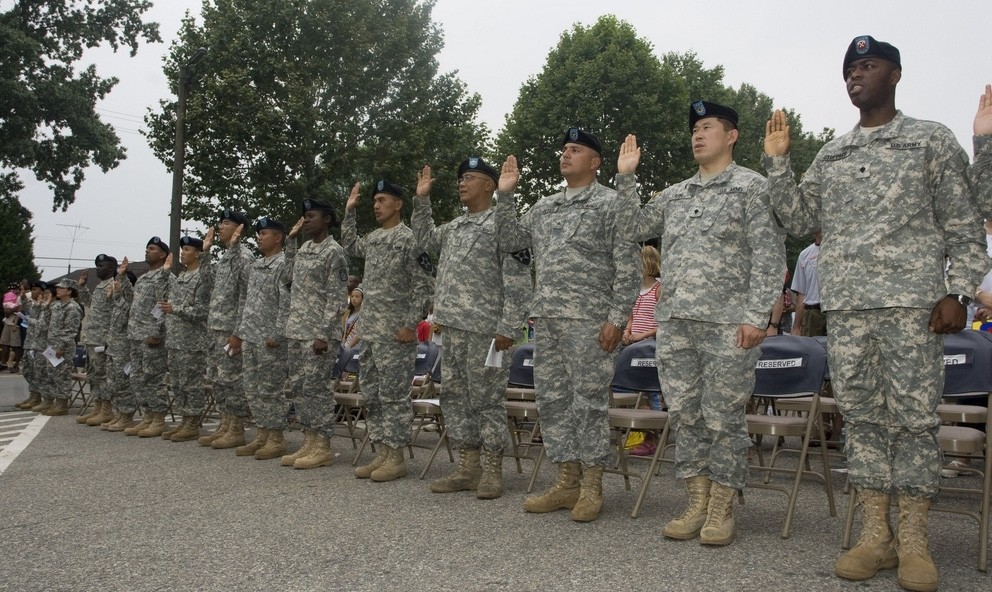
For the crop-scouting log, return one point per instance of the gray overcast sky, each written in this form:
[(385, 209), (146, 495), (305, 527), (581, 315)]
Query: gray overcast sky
[(791, 51)]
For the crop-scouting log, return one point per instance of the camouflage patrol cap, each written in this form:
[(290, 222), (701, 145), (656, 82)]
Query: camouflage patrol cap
[(575, 135), (703, 109), (191, 241), (384, 186), (474, 163), (866, 46)]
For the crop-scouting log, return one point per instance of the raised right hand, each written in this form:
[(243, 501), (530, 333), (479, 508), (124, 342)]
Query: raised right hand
[(630, 155), (356, 194), (208, 240), (777, 140), (509, 175)]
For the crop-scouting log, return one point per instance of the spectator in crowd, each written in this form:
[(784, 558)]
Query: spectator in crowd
[(10, 337), (641, 324), (809, 321), (350, 334)]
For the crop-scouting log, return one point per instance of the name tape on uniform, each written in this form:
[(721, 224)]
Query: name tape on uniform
[(955, 359), (783, 363), (643, 363)]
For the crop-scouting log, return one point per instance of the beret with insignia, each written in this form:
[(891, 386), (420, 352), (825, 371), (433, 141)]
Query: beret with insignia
[(321, 206), (102, 257), (866, 46), (158, 243), (39, 284), (476, 164), (266, 223), (384, 186), (576, 135), (191, 241), (703, 109), (234, 216)]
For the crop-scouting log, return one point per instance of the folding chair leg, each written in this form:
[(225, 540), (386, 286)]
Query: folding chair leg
[(537, 467), (430, 461), (849, 523), (655, 462)]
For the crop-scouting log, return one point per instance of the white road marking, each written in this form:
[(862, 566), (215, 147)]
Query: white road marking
[(21, 441)]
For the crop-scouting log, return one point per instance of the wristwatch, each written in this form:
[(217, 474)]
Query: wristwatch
[(965, 300)]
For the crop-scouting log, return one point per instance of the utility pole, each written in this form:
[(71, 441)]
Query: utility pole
[(77, 229), (179, 156)]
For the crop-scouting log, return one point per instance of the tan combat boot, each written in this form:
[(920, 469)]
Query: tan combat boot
[(146, 420), (874, 549), (93, 412), (687, 526), (275, 446), (309, 438), (491, 483), (105, 414), (365, 471), (61, 407), (392, 468), (590, 502), (719, 526), (320, 454), (116, 417), (124, 421), (562, 495), (43, 405), (466, 476), (249, 449), (233, 437), (188, 431), (156, 428), (225, 423), (916, 568), (33, 399)]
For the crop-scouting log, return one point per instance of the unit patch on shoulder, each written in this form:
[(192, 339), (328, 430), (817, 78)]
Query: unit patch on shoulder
[(425, 262)]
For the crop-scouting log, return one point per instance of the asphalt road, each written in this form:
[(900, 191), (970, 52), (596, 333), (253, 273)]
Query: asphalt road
[(84, 509)]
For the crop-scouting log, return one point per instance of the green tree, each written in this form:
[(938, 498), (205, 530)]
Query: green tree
[(48, 119), (16, 244), (303, 98)]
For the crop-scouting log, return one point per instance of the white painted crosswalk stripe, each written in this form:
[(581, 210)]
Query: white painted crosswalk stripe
[(16, 432)]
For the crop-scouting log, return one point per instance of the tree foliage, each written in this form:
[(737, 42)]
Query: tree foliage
[(16, 244), (48, 119), (607, 80), (302, 98)]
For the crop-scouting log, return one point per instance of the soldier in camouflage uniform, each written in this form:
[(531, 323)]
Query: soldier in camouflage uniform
[(146, 330), (228, 278), (482, 296), (96, 323), (33, 310), (721, 268), (118, 386), (892, 199), (319, 270), (260, 332), (587, 278), (64, 319), (397, 284), (41, 368), (980, 172), (186, 325)]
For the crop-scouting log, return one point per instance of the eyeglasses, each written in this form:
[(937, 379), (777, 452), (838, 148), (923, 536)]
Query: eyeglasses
[(471, 177)]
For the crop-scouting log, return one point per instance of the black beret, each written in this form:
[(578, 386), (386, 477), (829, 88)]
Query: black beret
[(158, 243), (703, 109), (575, 135), (474, 163), (867, 46), (234, 216), (265, 222), (317, 204), (102, 258), (189, 241), (384, 186), (39, 284)]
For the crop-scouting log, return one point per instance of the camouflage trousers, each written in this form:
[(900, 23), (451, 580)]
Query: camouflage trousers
[(118, 385), (186, 373), (572, 376), (96, 373), (310, 382), (707, 381), (385, 372), (59, 379), (887, 373), (225, 375), (42, 375), (473, 394), (27, 369), (264, 376), (149, 366)]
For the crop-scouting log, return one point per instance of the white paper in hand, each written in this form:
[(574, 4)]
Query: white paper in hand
[(494, 359), (53, 359), (157, 311)]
